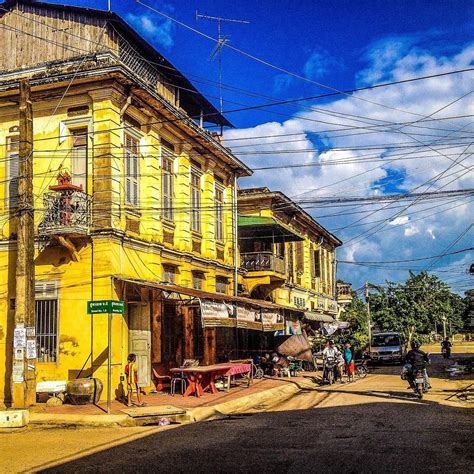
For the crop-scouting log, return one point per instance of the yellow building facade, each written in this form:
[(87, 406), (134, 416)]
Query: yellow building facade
[(286, 256), (156, 202)]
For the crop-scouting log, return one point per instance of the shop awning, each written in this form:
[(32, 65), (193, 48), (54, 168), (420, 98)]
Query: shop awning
[(220, 310), (319, 317), (268, 228)]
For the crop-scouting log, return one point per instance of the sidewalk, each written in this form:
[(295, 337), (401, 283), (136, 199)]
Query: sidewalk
[(265, 391)]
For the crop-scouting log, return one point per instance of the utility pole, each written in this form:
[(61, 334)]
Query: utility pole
[(221, 42), (23, 381), (369, 323)]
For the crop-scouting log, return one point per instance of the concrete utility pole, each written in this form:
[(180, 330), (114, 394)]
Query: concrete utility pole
[(23, 381), (369, 322)]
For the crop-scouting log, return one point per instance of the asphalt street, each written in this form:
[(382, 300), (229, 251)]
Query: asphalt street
[(372, 425)]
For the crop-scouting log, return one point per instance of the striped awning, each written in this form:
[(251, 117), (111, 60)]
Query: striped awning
[(319, 317)]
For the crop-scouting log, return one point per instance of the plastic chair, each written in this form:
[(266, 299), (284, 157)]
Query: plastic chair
[(162, 381), (182, 382)]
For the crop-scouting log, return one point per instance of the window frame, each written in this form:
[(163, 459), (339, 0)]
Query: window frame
[(219, 209), (167, 181), (74, 135), (132, 169), (222, 280), (47, 291), (195, 176)]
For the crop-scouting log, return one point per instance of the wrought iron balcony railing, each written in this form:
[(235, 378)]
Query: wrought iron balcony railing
[(262, 261), (67, 212)]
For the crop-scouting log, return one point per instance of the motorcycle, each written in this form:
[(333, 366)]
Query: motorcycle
[(446, 352), (419, 383), (418, 379), (329, 370)]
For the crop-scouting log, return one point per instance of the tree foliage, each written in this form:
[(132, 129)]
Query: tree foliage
[(413, 309), (416, 306)]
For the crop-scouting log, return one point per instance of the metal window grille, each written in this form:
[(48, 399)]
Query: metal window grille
[(46, 316), (195, 200)]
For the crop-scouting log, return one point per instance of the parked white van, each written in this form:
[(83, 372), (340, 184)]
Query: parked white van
[(386, 347)]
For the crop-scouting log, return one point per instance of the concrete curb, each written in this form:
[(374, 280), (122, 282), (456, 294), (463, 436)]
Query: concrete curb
[(269, 397), (70, 420)]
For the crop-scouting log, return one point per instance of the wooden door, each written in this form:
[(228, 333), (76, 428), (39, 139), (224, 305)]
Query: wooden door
[(139, 335)]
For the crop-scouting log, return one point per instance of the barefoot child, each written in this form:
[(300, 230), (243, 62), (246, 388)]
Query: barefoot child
[(131, 373)]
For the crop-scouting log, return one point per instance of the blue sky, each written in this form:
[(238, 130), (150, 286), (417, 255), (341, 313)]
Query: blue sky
[(343, 44)]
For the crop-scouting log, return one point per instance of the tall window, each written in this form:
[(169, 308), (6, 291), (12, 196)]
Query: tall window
[(13, 148), (131, 170), (221, 284), (169, 274), (195, 200), (79, 157), (167, 177), (219, 213), (198, 280), (46, 317), (317, 263)]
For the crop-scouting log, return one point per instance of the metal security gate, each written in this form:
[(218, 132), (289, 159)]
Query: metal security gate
[(46, 329)]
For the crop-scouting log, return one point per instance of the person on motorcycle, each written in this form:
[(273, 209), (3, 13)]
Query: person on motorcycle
[(446, 347), (331, 352), (418, 361)]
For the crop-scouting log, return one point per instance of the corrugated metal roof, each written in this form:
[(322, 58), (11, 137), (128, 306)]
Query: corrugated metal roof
[(171, 288)]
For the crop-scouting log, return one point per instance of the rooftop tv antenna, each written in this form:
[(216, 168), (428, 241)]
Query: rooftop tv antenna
[(221, 42)]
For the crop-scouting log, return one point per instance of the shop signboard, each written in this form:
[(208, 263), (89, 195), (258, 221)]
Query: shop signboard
[(272, 320), (217, 314), (249, 317)]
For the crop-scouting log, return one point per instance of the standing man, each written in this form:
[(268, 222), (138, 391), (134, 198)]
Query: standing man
[(348, 355)]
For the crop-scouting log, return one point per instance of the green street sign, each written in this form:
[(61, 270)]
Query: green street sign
[(105, 306)]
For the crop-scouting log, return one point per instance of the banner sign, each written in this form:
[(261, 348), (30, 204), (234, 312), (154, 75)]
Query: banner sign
[(249, 317), (293, 328), (217, 314), (272, 320)]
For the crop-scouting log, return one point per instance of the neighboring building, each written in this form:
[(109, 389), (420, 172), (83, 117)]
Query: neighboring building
[(288, 258), (156, 199)]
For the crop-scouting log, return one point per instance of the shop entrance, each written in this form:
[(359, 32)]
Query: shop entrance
[(140, 339)]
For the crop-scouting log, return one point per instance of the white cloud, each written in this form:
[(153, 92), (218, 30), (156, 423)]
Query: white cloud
[(157, 31), (399, 220), (440, 221), (319, 64)]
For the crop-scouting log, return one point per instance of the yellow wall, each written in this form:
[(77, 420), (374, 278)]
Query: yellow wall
[(114, 249)]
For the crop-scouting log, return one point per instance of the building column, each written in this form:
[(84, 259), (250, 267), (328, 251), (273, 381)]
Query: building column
[(156, 315), (188, 332), (210, 346)]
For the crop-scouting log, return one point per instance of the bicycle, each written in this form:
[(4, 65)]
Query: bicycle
[(361, 368)]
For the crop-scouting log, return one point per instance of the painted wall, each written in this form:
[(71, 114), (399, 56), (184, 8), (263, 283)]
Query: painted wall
[(126, 240)]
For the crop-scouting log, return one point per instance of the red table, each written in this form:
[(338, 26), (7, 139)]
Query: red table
[(202, 378), (238, 368)]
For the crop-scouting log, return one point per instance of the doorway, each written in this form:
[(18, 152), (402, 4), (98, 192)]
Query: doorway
[(139, 341)]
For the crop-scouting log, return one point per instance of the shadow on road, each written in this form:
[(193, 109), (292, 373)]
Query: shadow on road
[(369, 437)]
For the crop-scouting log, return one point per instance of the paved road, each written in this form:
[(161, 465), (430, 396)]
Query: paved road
[(374, 425)]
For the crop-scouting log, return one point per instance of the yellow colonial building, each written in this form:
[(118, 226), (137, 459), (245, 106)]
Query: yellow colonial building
[(287, 257), (135, 200), (145, 193)]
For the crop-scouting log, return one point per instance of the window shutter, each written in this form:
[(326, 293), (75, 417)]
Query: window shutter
[(312, 257), (128, 186), (299, 257)]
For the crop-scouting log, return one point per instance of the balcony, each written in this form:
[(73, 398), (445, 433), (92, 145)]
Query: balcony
[(65, 213), (344, 292), (262, 262)]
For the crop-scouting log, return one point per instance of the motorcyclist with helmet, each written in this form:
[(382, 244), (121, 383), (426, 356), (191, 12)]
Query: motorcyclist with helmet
[(446, 348), (418, 361)]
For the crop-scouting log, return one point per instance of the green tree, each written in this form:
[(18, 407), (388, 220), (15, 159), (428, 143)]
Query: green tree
[(416, 306)]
